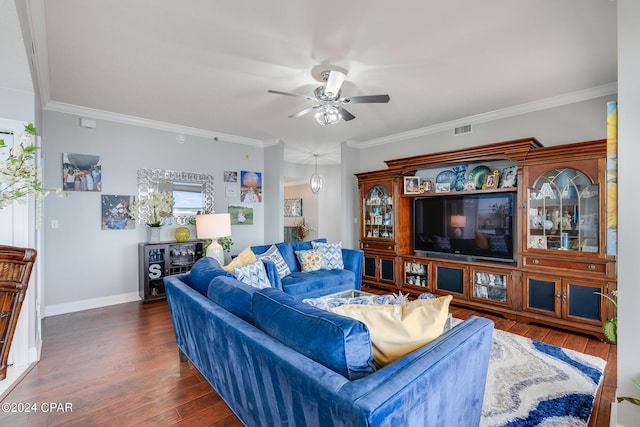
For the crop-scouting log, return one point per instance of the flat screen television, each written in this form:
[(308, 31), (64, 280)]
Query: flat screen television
[(465, 226)]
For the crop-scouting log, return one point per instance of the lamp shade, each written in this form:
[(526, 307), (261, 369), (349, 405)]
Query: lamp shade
[(213, 226), (458, 221)]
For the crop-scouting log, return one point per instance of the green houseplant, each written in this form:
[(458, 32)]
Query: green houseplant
[(610, 326), (19, 178)]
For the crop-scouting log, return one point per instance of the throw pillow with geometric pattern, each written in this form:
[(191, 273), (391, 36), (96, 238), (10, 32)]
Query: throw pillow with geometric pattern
[(253, 275), (273, 254), (331, 253)]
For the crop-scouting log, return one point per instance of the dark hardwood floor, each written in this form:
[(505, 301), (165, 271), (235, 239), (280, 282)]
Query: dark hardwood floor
[(118, 366)]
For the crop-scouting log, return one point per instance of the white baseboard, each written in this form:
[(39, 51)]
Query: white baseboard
[(87, 304)]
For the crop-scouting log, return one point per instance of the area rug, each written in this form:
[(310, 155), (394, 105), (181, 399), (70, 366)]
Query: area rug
[(531, 383)]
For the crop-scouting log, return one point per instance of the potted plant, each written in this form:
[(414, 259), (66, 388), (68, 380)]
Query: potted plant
[(158, 205), (19, 178), (610, 326)]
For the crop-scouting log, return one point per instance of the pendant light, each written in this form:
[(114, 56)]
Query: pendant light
[(316, 181)]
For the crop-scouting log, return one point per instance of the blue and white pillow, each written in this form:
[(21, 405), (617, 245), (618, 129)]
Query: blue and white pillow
[(273, 254), (331, 253), (253, 275)]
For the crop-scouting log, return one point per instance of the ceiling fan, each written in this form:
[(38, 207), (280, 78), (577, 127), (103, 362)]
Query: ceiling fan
[(329, 108)]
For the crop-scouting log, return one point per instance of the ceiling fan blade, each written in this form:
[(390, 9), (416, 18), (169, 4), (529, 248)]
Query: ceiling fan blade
[(305, 111), (279, 92), (365, 99), (346, 116)]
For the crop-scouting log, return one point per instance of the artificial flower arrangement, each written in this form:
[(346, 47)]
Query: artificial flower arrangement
[(19, 178), (158, 205)]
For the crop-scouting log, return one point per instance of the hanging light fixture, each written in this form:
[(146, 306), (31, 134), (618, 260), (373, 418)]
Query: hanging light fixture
[(328, 115), (316, 181)]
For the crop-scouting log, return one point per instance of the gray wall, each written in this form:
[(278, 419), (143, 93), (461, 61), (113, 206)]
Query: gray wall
[(87, 266), (580, 121)]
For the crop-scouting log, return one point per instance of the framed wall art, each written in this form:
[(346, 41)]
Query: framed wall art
[(293, 207)]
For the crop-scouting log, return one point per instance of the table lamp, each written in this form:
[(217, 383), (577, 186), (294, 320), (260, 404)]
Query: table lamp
[(458, 222), (214, 226)]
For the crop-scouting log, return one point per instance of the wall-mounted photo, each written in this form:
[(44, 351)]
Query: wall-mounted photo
[(250, 187), (293, 207), (81, 172), (241, 214), (411, 185), (115, 212), (230, 176)]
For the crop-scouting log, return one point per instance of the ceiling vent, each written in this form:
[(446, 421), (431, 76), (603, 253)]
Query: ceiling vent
[(462, 130)]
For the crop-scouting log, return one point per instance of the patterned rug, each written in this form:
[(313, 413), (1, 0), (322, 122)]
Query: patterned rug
[(530, 383)]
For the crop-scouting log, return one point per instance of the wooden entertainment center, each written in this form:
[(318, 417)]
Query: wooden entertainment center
[(557, 229)]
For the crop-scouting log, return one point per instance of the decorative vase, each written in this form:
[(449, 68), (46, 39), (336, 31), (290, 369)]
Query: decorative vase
[(182, 234), (460, 180), (154, 234)]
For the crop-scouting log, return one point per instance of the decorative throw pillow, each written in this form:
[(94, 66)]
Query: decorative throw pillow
[(310, 260), (397, 330), (482, 240), (274, 255), (331, 253), (253, 275), (497, 243), (245, 257), (442, 242)]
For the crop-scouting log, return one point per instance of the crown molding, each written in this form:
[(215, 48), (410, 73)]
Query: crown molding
[(61, 107), (556, 101), (38, 53)]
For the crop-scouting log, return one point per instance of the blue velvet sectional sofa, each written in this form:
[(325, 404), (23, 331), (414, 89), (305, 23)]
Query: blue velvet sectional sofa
[(317, 283), (277, 361)]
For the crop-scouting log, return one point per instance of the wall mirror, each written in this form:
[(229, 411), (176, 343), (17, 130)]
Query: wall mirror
[(192, 192)]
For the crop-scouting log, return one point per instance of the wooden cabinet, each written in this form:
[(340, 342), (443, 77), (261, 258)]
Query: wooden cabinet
[(566, 302), (158, 260), (559, 237), (564, 260), (383, 233)]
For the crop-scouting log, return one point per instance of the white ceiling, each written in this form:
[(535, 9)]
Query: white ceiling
[(206, 65)]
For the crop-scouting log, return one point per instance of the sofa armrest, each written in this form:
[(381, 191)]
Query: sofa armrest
[(353, 259), (272, 273)]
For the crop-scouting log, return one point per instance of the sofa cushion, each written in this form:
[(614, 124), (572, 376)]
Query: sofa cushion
[(310, 260), (274, 255), (203, 271), (340, 343), (253, 275), (331, 253), (397, 330), (245, 257), (300, 283), (232, 295)]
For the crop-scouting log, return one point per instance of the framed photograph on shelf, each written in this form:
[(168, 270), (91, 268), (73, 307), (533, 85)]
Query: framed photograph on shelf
[(491, 180), (411, 185), (508, 177), (538, 242), (427, 185), (443, 187)]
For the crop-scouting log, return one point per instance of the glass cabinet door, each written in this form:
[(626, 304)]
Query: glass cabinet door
[(378, 214), (563, 209)]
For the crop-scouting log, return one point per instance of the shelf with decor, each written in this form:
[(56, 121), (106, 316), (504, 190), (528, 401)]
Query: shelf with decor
[(158, 260), (547, 221)]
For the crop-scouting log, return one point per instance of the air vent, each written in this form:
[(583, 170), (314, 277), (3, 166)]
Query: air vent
[(462, 130)]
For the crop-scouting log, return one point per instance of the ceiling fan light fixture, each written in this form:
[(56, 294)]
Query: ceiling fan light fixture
[(334, 83), (328, 115)]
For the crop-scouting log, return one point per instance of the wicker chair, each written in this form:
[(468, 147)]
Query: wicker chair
[(15, 269)]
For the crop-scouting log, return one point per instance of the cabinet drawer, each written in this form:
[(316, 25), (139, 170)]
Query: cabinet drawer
[(378, 246), (574, 265)]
